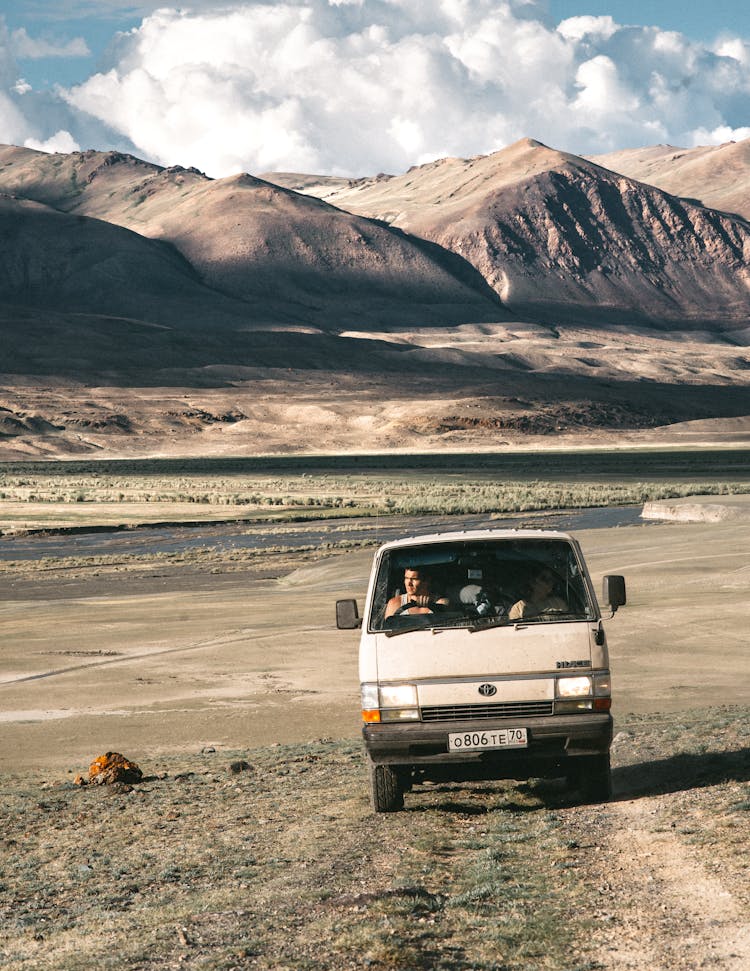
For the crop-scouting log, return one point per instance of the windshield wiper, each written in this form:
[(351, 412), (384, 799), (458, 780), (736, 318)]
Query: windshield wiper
[(435, 628), (490, 624), (550, 617)]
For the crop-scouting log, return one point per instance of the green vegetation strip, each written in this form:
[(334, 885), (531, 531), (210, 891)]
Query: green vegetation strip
[(271, 859), (38, 500)]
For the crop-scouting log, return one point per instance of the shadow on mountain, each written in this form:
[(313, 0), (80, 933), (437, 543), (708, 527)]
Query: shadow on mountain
[(458, 267), (126, 353), (334, 271)]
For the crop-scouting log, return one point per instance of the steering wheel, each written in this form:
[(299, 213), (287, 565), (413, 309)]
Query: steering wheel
[(433, 607)]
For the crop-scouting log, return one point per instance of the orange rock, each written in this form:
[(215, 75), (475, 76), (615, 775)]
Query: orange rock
[(113, 767)]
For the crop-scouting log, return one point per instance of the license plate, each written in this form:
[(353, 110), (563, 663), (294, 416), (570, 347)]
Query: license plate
[(492, 738)]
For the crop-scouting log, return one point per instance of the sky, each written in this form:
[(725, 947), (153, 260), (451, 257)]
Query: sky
[(357, 87)]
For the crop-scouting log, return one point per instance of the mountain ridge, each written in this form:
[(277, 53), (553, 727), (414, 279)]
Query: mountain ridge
[(559, 237), (523, 297), (254, 242), (716, 175)]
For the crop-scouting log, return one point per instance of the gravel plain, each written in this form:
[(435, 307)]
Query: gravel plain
[(250, 842)]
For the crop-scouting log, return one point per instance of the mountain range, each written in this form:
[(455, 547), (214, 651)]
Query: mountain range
[(467, 302), (562, 238)]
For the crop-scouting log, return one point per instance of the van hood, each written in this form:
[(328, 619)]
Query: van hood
[(512, 650)]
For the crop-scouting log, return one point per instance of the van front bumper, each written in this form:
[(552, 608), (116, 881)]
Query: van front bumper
[(551, 739)]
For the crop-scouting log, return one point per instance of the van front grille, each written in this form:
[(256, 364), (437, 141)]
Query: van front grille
[(511, 709)]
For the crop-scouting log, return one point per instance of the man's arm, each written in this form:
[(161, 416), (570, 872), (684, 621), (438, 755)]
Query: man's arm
[(392, 606)]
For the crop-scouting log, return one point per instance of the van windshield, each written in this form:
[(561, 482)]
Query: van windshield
[(479, 583)]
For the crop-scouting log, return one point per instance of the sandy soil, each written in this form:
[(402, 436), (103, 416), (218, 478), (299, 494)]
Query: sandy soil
[(151, 664), (474, 386), (677, 913)]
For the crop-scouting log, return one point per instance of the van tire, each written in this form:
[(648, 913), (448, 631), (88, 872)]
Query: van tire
[(386, 793), (592, 776)]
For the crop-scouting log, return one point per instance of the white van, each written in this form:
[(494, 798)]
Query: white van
[(483, 655)]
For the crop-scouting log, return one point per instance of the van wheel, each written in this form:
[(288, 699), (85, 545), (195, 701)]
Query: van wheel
[(386, 793), (592, 776)]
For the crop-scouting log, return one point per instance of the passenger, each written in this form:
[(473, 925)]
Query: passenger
[(418, 598), (538, 598)]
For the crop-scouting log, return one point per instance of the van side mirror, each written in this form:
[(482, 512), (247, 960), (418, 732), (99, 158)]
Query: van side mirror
[(347, 615), (613, 588)]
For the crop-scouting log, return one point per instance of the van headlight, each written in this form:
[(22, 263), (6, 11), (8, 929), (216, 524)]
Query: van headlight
[(574, 694), (578, 687), (398, 702), (389, 702), (583, 693)]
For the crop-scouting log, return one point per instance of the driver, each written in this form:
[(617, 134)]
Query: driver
[(418, 598)]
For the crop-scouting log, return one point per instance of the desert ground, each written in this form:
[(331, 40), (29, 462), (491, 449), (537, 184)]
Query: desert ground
[(147, 664), (476, 387), (250, 842)]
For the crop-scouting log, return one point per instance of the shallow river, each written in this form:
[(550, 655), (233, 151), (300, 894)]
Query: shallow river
[(176, 539)]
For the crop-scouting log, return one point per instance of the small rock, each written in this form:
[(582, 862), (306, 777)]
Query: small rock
[(240, 766), (113, 767), (621, 738)]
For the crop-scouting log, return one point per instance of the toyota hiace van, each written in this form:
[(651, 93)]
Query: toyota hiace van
[(483, 655)]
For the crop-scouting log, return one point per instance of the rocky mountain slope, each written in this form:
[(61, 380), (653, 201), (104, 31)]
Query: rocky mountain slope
[(51, 260), (560, 238), (525, 296), (716, 175), (291, 258)]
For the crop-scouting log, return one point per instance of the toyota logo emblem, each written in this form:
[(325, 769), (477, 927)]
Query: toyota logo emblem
[(487, 690)]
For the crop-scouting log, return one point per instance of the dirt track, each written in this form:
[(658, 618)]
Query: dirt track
[(674, 914)]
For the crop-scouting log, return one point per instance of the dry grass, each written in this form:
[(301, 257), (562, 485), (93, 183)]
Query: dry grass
[(268, 561), (51, 499), (278, 863)]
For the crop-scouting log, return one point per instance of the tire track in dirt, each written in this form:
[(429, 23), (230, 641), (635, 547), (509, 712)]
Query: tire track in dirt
[(127, 658), (147, 655), (672, 913)]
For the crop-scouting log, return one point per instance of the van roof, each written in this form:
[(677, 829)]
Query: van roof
[(467, 535)]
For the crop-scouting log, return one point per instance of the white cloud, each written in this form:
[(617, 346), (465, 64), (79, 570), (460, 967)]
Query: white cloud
[(734, 47), (44, 120), (602, 91), (61, 141), (719, 135), (14, 127), (360, 86), (580, 28), (25, 46)]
